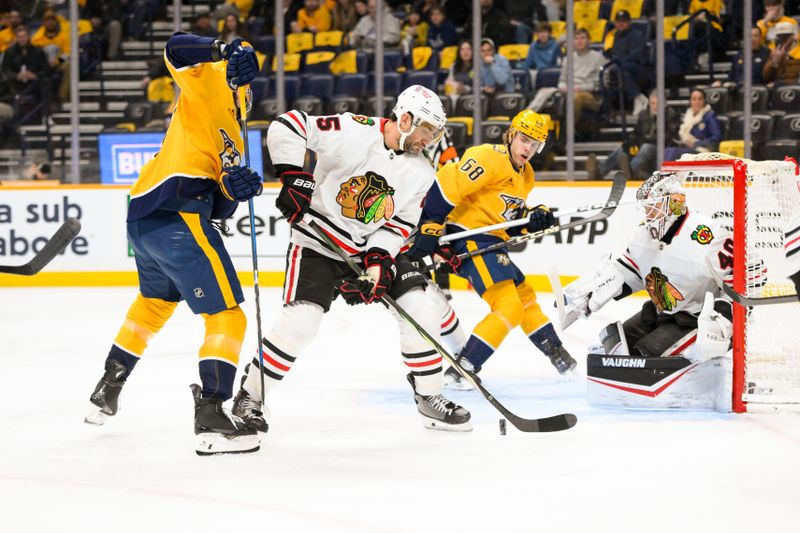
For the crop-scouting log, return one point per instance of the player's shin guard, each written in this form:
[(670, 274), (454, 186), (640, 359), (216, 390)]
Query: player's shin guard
[(421, 359), (546, 339), (219, 354), (452, 333)]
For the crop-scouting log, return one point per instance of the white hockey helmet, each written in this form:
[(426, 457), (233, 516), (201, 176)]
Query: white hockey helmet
[(663, 201), (424, 107)]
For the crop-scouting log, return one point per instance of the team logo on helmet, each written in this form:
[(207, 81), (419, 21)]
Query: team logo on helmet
[(361, 119), (702, 234), (661, 291), (366, 198), (514, 208), (677, 204), (229, 156)]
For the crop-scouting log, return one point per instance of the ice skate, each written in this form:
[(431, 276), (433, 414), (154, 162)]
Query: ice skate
[(105, 398), (451, 379), (562, 360), (219, 432), (440, 413), (250, 410)]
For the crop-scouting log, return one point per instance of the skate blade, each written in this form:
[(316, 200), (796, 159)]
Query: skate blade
[(96, 417), (219, 444), (443, 426)]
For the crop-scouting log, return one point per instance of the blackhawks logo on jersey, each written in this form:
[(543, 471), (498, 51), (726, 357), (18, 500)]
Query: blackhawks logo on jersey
[(661, 291), (702, 234), (361, 119), (366, 198), (514, 207), (229, 156)]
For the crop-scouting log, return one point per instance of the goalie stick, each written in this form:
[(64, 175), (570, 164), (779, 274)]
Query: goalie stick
[(54, 246), (526, 425), (749, 301), (617, 190)]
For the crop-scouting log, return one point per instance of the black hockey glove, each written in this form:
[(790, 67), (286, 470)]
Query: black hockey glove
[(381, 269), (242, 64), (427, 240), (240, 183), (295, 197), (446, 259), (541, 218), (356, 291)]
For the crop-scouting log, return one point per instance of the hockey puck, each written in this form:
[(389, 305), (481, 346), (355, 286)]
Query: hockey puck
[(502, 426)]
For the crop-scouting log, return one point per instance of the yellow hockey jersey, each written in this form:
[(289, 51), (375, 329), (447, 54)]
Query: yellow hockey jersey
[(485, 188)]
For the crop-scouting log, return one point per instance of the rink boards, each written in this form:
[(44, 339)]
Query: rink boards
[(100, 255)]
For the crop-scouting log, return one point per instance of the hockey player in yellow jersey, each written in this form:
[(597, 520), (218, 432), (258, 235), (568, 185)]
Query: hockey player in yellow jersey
[(196, 177), (487, 186)]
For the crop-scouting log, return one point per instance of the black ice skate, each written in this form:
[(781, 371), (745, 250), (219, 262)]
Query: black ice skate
[(250, 410), (219, 432), (455, 381), (105, 398), (440, 413), (561, 359)]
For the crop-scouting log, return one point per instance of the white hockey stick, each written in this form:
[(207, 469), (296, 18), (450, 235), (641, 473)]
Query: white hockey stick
[(565, 318)]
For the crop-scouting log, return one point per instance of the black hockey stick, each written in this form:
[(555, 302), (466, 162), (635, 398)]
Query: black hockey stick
[(527, 425), (614, 196), (54, 246), (741, 299)]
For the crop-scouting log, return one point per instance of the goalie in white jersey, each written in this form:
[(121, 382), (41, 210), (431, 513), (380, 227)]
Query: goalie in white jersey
[(670, 255), (366, 194)]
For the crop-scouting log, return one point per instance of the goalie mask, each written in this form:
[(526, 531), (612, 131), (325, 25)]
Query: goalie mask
[(662, 201), (426, 111)]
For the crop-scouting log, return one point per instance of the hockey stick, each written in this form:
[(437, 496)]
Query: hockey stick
[(242, 118), (617, 190), (748, 301), (527, 425), (54, 246)]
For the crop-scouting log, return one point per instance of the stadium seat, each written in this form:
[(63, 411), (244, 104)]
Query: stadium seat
[(425, 78), (328, 40), (299, 42), (734, 148), (318, 62), (547, 77), (634, 7), (506, 105), (724, 121), (559, 28), (466, 104), (291, 62), (596, 28), (392, 82), (447, 103), (760, 99), (717, 98), (310, 105), (515, 53), (265, 109), (644, 27), (392, 60), (291, 87), (587, 10), (761, 129), (522, 80), (424, 58), (319, 85), (260, 88), (492, 131), (344, 104), (778, 150), (265, 44), (447, 56), (789, 127), (351, 85), (368, 108), (138, 113), (786, 98), (457, 131)]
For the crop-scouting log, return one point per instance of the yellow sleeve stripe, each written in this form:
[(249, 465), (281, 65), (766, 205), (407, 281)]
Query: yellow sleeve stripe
[(192, 220), (480, 265)]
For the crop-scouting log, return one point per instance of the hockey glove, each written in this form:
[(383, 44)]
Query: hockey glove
[(242, 64), (540, 218), (714, 332), (427, 240), (381, 270), (356, 291), (446, 259), (295, 197), (240, 183)]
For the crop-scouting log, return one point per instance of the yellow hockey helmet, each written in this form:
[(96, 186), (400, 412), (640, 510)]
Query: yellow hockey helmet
[(532, 125)]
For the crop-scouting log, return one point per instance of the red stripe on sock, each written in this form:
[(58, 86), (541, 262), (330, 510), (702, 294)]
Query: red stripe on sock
[(433, 362)]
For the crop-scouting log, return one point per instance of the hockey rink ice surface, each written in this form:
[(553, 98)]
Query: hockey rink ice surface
[(346, 449)]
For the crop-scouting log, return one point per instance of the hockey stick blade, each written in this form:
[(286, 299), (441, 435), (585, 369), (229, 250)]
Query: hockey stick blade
[(526, 425), (746, 301), (54, 246)]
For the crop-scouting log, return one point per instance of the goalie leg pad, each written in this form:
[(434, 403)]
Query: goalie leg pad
[(668, 339), (612, 337)]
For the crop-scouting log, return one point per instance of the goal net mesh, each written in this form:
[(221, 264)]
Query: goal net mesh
[(770, 364)]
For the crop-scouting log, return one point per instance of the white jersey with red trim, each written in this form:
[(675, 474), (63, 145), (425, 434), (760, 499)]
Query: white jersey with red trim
[(367, 196), (676, 274), (791, 243)]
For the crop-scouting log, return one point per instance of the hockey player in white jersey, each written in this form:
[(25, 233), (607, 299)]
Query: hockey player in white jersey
[(366, 194), (670, 256)]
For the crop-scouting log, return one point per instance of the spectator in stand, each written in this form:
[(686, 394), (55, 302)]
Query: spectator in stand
[(545, 51), (783, 65), (202, 26), (10, 21), (521, 14), (233, 29), (629, 51), (495, 24), (105, 17), (636, 156), (364, 34), (239, 8), (361, 9), (459, 78), (441, 32), (773, 15), (457, 11), (344, 16), (700, 131), (313, 17), (586, 67), (424, 7), (496, 76), (413, 33), (53, 38), (25, 69), (760, 57), (139, 13)]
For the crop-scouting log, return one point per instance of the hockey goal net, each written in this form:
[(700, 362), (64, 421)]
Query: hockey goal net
[(755, 200)]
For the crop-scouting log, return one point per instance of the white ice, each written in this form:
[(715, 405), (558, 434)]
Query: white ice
[(346, 450)]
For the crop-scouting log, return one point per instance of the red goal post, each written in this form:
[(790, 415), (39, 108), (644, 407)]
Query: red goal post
[(755, 200)]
